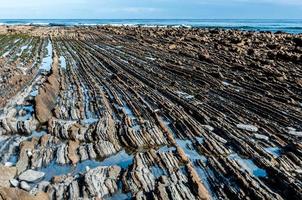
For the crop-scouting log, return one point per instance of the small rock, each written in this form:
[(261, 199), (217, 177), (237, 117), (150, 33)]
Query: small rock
[(87, 168), (296, 133), (8, 164), (29, 153), (208, 127), (299, 171), (24, 185), (261, 137), (42, 185), (31, 175), (172, 46), (14, 182), (291, 129), (247, 127)]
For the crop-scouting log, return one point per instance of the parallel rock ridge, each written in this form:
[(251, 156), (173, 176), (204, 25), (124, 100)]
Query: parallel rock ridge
[(149, 113)]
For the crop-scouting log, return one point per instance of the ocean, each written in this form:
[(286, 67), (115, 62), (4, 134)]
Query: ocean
[(290, 26)]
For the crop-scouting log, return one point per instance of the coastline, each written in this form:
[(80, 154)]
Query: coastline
[(273, 25), (137, 112)]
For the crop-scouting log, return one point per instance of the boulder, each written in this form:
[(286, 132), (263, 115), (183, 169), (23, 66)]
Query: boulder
[(31, 175)]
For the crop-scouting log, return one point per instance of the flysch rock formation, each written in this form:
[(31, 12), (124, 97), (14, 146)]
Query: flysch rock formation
[(108, 112)]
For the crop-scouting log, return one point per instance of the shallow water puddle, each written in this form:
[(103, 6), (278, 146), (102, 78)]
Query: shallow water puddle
[(157, 171), (89, 120), (189, 150), (200, 140), (13, 159), (27, 112), (90, 116), (248, 165), (202, 173), (63, 62), (47, 61), (9, 149), (119, 196), (167, 122), (38, 134), (128, 110), (166, 149), (275, 151), (121, 159), (34, 93), (3, 139), (54, 169), (22, 49)]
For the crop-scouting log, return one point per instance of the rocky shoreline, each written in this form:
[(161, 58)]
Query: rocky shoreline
[(149, 113)]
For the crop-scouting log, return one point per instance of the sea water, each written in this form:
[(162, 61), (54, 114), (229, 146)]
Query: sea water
[(273, 25)]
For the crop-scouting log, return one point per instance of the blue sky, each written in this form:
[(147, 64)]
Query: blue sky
[(154, 9)]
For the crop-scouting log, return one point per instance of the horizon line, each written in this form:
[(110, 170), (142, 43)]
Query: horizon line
[(150, 18)]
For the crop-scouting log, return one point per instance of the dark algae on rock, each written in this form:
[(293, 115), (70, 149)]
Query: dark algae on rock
[(109, 112)]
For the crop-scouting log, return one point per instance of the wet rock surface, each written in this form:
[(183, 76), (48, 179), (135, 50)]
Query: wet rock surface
[(149, 113)]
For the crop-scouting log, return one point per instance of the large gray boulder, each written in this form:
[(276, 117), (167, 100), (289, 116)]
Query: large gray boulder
[(31, 175)]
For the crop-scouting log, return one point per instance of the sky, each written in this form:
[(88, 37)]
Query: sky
[(151, 9)]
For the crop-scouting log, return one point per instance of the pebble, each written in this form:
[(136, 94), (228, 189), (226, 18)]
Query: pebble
[(14, 182)]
